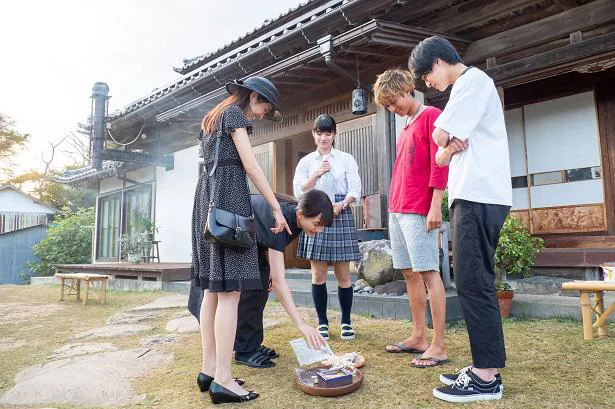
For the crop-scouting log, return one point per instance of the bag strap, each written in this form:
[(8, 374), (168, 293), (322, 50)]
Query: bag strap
[(212, 172)]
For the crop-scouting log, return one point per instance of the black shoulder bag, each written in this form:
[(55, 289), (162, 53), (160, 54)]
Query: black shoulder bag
[(226, 228)]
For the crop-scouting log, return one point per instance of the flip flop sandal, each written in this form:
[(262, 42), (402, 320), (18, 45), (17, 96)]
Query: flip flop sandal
[(402, 349), (323, 330), (347, 332), (270, 352), (436, 362), (255, 360)]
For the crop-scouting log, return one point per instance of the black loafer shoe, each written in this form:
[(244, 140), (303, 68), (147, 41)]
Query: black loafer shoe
[(219, 394), (204, 381)]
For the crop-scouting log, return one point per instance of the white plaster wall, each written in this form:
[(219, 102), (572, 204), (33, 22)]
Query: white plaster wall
[(562, 133), (109, 185), (521, 198), (566, 194), (14, 202), (174, 200), (516, 141)]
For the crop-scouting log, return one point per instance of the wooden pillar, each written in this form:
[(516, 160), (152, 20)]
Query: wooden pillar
[(384, 132), (605, 101), (586, 313), (61, 289), (602, 329), (86, 291)]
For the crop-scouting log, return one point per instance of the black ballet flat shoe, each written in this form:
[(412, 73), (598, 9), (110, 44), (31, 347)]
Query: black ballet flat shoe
[(204, 381), (219, 394)]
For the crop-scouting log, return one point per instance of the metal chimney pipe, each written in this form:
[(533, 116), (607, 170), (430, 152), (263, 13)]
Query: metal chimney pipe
[(100, 94)]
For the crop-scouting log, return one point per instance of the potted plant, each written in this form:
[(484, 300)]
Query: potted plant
[(142, 222), (514, 256), (135, 245)]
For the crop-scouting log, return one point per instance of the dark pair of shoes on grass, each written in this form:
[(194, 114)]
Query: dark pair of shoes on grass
[(346, 332), (262, 357), (465, 386), (219, 394)]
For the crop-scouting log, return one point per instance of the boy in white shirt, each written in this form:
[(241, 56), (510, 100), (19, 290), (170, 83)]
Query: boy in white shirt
[(471, 134)]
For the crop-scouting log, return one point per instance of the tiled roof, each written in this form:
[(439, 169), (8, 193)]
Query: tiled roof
[(192, 63), (88, 174), (206, 67)]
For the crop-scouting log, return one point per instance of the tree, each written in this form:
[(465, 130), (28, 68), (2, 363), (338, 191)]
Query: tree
[(68, 241), (10, 142), (42, 183)]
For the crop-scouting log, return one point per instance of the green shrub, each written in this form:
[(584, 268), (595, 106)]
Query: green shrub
[(516, 250), (445, 206), (68, 241)]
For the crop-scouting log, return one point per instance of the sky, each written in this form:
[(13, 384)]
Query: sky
[(54, 51)]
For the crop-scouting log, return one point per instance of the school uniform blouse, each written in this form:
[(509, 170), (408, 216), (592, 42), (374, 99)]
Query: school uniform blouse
[(343, 167)]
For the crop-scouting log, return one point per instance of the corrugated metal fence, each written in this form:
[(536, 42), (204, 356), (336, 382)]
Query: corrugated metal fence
[(16, 252)]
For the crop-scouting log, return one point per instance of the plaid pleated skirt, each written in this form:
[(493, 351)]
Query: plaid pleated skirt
[(336, 243)]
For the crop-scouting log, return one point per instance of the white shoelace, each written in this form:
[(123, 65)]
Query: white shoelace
[(462, 380)]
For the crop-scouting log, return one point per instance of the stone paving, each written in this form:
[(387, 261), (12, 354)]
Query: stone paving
[(98, 373)]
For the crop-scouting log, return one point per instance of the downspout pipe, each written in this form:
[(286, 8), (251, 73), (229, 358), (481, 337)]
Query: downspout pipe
[(100, 94)]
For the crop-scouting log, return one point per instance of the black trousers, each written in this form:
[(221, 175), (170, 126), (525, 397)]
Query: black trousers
[(476, 231), (252, 303)]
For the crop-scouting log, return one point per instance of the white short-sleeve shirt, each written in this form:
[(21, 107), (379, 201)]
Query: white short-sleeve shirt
[(481, 173), (343, 167)]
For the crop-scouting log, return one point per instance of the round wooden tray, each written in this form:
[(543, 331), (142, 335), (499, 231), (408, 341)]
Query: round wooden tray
[(359, 361), (303, 378)]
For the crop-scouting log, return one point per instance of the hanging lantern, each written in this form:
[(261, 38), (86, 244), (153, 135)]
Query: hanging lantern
[(359, 101)]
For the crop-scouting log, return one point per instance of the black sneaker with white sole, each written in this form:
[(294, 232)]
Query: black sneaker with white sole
[(347, 332), (469, 388), (450, 378)]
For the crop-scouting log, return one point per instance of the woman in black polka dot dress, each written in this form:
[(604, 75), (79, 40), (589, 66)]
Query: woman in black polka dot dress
[(222, 272)]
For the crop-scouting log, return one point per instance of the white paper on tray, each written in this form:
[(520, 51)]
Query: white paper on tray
[(306, 355)]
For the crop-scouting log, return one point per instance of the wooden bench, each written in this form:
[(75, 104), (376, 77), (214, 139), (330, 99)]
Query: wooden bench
[(75, 285), (586, 288)]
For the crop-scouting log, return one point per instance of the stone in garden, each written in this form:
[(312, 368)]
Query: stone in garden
[(114, 331), (160, 339), (71, 350), (103, 379), (368, 289), (185, 324), (541, 285), (376, 265), (360, 283), (163, 303), (393, 288), (133, 317)]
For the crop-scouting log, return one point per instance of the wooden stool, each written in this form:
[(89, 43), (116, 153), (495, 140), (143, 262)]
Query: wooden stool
[(586, 288), (153, 253), (75, 285)]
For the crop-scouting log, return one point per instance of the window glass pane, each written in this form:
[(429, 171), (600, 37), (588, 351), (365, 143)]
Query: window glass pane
[(575, 175), (109, 227), (519, 182), (546, 178), (136, 202)]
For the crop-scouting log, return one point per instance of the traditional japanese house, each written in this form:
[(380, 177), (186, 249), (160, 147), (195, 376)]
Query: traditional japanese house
[(553, 61)]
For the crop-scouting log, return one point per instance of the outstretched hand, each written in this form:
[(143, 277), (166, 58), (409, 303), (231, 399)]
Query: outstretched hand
[(312, 336), (280, 223)]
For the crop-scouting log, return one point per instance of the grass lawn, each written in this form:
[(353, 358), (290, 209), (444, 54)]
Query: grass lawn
[(549, 364)]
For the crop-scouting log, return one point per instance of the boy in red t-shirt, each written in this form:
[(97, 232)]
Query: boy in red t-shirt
[(415, 214)]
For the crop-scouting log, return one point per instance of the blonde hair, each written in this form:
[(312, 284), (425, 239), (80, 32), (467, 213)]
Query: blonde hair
[(391, 84)]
